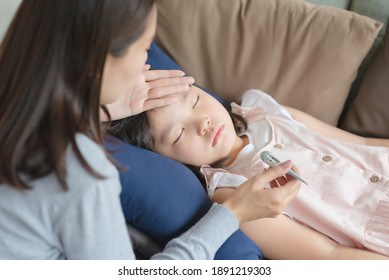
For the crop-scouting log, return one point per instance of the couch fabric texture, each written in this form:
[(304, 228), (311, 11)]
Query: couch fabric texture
[(305, 55), (369, 113)]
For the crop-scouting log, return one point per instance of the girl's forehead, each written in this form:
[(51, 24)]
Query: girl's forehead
[(179, 108), (163, 115), (178, 105)]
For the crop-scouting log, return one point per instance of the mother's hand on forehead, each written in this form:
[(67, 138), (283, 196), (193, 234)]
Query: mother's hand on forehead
[(152, 89)]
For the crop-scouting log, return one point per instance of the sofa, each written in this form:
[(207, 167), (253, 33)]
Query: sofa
[(311, 56), (206, 38), (325, 57)]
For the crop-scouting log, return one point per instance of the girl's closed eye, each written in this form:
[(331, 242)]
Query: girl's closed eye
[(179, 136), (197, 101), (182, 129)]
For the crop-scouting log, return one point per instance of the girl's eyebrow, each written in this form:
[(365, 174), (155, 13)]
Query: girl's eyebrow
[(179, 136)]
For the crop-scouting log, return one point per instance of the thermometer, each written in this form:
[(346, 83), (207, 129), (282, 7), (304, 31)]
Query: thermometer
[(272, 161)]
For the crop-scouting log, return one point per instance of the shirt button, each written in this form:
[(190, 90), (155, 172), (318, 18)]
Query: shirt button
[(374, 179), (327, 158), (277, 146)]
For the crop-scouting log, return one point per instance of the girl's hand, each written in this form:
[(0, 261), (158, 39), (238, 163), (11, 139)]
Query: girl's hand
[(254, 200), (152, 89)]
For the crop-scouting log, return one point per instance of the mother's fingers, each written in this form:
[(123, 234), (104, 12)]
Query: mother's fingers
[(273, 173), (146, 67), (295, 169), (152, 75), (161, 102), (274, 184), (282, 180), (289, 188), (170, 81), (161, 92)]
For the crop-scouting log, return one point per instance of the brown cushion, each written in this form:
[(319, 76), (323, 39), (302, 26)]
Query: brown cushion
[(369, 112), (306, 56)]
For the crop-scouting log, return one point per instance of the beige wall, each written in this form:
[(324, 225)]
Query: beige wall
[(7, 10)]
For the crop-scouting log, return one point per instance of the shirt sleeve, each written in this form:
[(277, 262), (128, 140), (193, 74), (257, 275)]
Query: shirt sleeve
[(204, 238), (218, 177), (93, 225), (256, 104)]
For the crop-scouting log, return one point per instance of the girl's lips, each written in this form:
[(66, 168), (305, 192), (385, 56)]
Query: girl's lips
[(217, 135)]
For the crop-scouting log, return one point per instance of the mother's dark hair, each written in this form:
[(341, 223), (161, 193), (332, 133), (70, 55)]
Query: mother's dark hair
[(51, 65)]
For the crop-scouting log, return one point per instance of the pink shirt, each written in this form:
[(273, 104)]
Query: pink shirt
[(348, 194)]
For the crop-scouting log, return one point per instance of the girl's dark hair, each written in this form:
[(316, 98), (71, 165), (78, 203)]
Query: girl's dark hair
[(136, 130), (51, 65)]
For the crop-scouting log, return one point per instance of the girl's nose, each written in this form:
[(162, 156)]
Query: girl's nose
[(204, 126)]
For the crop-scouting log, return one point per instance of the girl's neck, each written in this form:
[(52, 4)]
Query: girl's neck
[(240, 143)]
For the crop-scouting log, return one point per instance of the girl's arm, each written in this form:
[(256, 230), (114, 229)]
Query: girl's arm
[(332, 131), (283, 238)]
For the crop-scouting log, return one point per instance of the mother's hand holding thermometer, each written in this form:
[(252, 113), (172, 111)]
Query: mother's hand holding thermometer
[(270, 160)]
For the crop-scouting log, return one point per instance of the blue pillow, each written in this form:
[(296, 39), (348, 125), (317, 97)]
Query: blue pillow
[(162, 197)]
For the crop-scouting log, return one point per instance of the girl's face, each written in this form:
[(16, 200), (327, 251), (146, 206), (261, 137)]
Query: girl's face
[(196, 130), (120, 72)]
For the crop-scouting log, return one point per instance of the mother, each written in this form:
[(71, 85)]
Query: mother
[(59, 191)]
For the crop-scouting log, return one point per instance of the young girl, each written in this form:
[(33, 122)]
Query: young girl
[(347, 198)]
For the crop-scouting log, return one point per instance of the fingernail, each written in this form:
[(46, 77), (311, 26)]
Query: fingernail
[(286, 164)]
